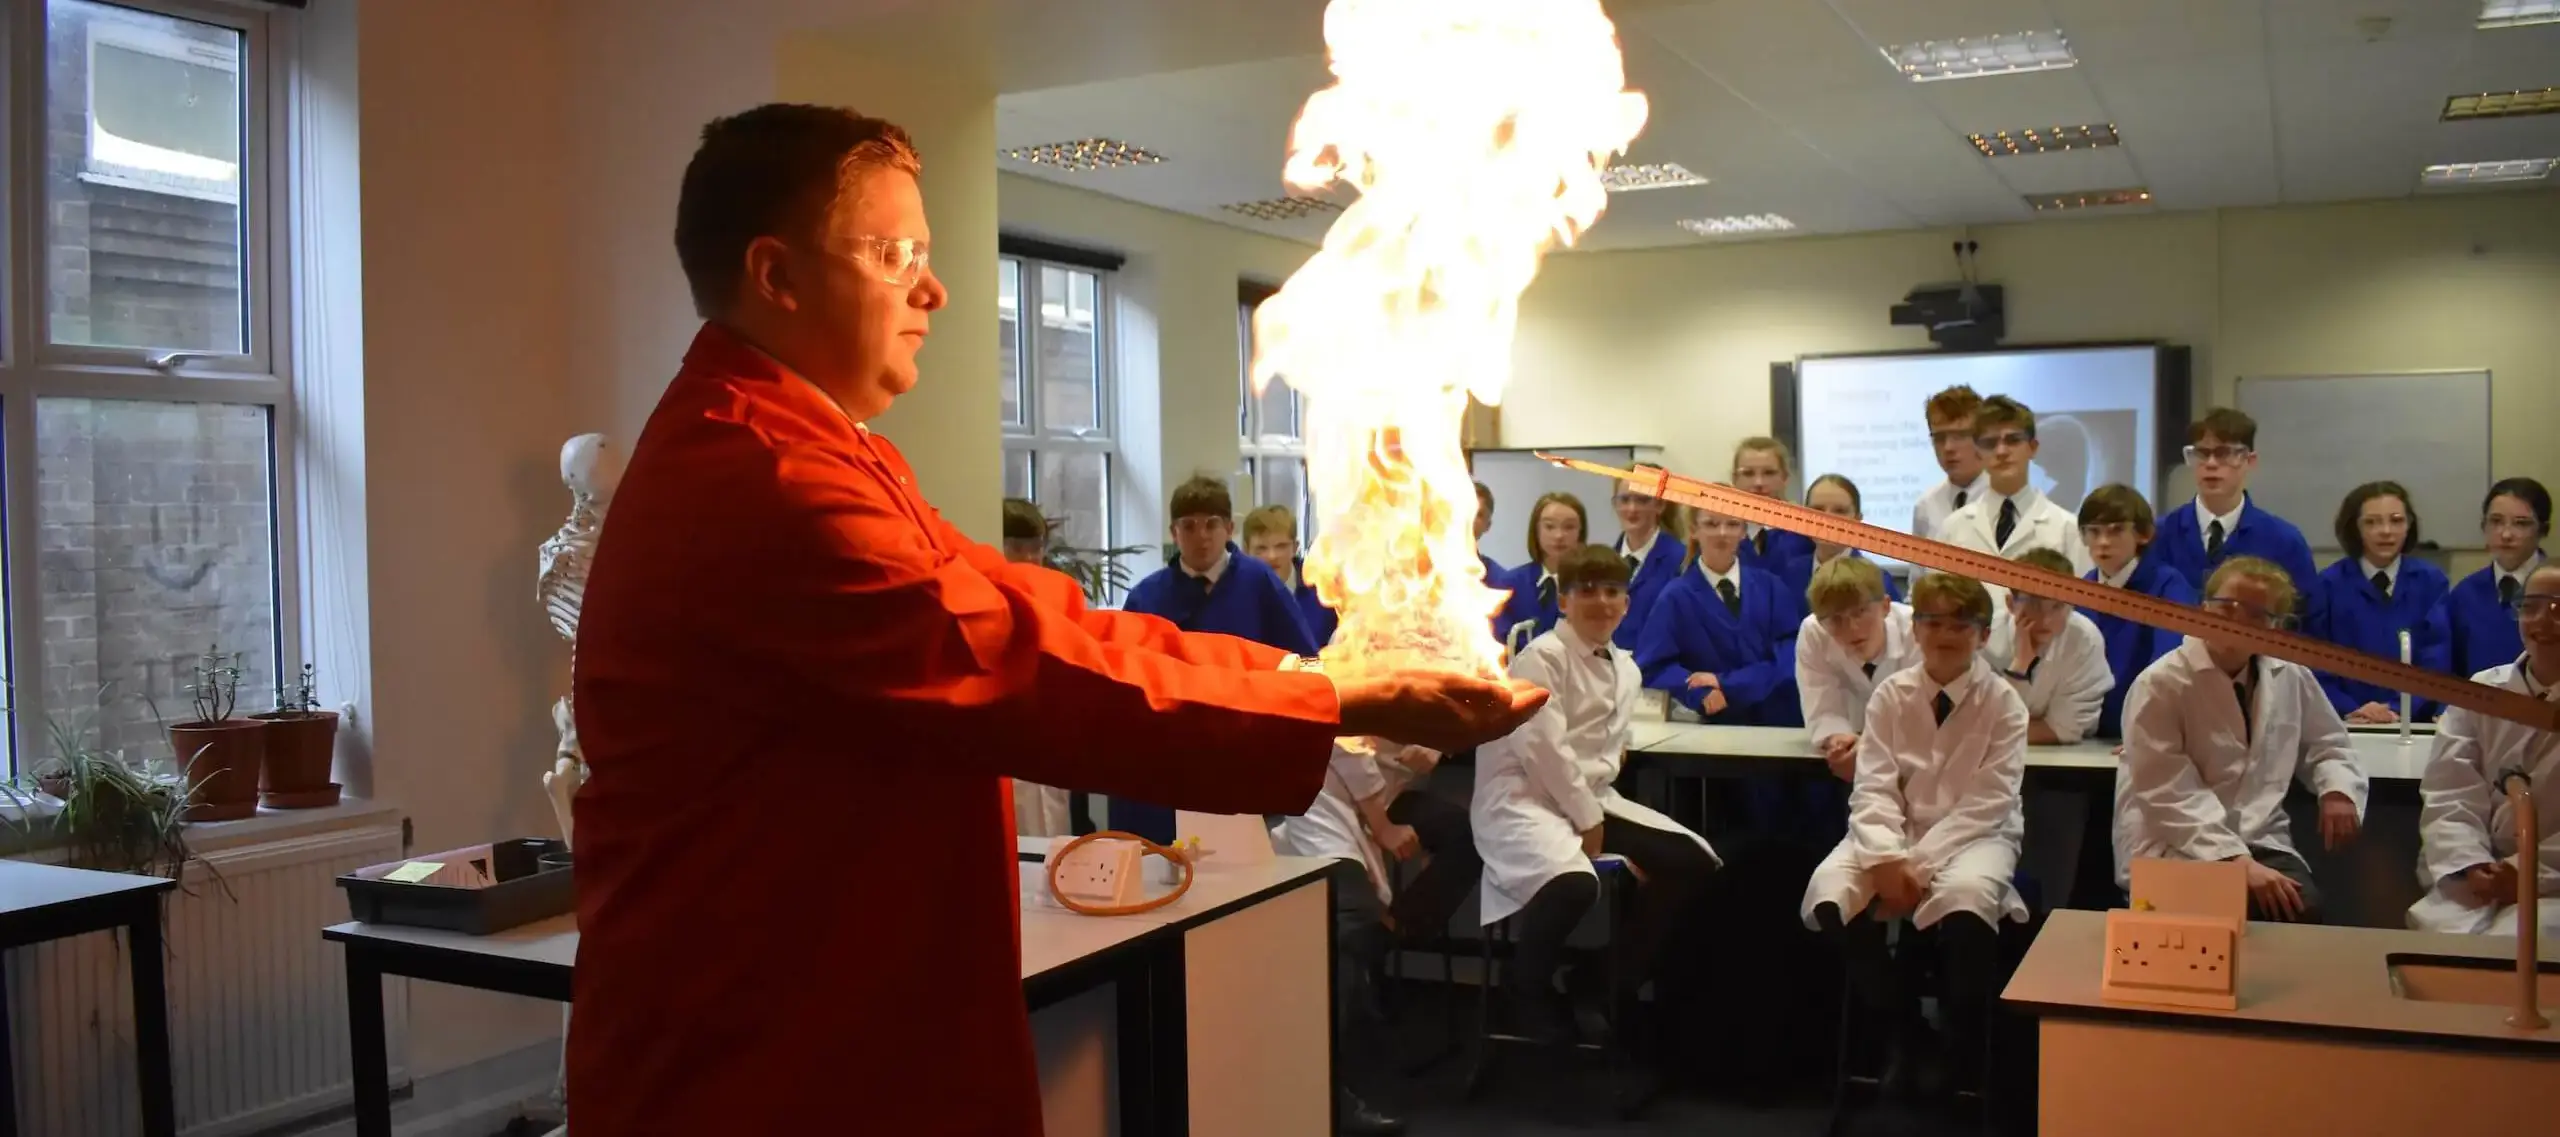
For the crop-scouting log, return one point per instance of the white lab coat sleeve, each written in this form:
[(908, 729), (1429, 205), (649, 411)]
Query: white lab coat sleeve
[(1825, 698), (2455, 802), (2173, 809), (1989, 800), (1361, 778), (2082, 680), (2077, 549), (2328, 752), (1543, 755), (1876, 828)]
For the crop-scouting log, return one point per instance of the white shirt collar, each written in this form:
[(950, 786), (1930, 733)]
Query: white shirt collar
[(1581, 649), (1715, 578), (2392, 573), (2230, 521), (1638, 553), (2026, 498), (1215, 571), (1956, 691), (1972, 491), (2520, 575), (2117, 580)]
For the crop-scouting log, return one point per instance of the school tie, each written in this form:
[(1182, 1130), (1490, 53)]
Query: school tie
[(1960, 496), (2507, 590), (2382, 584), (1870, 669), (1732, 596), (2008, 523), (1633, 564), (2240, 689), (1760, 541), (2213, 542), (1547, 593), (1944, 706), (1602, 653)]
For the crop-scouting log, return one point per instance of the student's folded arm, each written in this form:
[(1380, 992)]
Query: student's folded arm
[(2083, 693), (1660, 649), (2172, 805), (1876, 834), (2431, 647), (1287, 622), (2456, 803), (2328, 754), (1752, 684), (1824, 694), (1987, 804), (1358, 772), (856, 615), (1540, 744)]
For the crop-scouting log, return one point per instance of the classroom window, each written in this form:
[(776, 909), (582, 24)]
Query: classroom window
[(1273, 445), (1056, 393), (142, 396)]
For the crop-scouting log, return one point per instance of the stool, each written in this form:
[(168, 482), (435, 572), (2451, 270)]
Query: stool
[(1443, 943), (1915, 957), (1598, 931)]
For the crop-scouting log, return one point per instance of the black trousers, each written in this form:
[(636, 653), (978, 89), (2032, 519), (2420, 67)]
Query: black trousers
[(1422, 908), (1675, 873), (1969, 976), (2295, 869)]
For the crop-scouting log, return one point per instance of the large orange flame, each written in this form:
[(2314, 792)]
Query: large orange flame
[(1475, 132)]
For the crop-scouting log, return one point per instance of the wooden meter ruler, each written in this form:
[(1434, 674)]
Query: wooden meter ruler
[(2513, 706)]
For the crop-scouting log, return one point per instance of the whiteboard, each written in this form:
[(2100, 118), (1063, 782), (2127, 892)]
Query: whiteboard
[(1519, 477), (2320, 436)]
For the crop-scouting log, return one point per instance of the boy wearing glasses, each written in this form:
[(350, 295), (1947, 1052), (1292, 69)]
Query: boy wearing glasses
[(1652, 558), (2011, 516), (1950, 415), (1210, 586), (2466, 829), (2055, 658), (2214, 734), (1934, 826), (1856, 638), (2115, 522), (2222, 523)]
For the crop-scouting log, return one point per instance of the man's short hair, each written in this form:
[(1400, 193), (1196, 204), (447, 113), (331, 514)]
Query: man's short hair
[(2281, 596), (1955, 404), (2117, 504), (1843, 584), (1592, 565), (2003, 411), (1964, 594), (1270, 521), (2046, 559), (1023, 521), (1203, 496), (2230, 424), (775, 171)]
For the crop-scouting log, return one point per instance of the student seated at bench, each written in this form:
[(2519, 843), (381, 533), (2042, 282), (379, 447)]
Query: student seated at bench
[(2466, 829), (1855, 639), (2055, 658)]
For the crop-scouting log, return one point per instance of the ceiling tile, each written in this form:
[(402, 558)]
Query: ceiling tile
[(2108, 168), (1769, 49)]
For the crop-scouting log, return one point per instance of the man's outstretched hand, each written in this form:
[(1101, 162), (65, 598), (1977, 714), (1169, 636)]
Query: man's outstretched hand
[(1444, 711)]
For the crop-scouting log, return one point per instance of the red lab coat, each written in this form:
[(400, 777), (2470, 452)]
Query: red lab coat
[(799, 689)]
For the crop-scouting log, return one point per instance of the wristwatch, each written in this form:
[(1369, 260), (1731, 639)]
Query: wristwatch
[(2022, 676)]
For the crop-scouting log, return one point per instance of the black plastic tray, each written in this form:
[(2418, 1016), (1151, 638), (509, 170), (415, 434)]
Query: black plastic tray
[(482, 889)]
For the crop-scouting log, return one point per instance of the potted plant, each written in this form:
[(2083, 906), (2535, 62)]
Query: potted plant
[(115, 815), (302, 743), (1099, 572), (221, 757)]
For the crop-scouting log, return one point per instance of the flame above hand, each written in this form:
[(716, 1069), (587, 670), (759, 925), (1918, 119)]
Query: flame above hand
[(1475, 132)]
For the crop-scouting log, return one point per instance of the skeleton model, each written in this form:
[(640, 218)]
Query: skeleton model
[(590, 466)]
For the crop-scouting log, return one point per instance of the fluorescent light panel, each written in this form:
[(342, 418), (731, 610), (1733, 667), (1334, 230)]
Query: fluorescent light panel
[(2518, 13), (2047, 140), (1284, 208), (2486, 173), (1973, 57), (2088, 199), (1658, 175), (2502, 104), (1737, 224), (1085, 154)]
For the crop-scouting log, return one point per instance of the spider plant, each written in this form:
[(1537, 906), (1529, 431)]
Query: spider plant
[(1101, 573), (117, 815)]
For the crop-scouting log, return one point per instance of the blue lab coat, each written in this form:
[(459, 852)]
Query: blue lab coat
[(2356, 616), (1249, 602), (2131, 647), (2178, 542), (1799, 576), (1523, 607), (1784, 547), (2483, 630), (1660, 567), (1320, 620), (1752, 655)]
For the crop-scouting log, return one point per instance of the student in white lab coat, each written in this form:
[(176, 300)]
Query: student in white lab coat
[(1934, 824), (1545, 805), (1855, 639), (1950, 415), (2055, 658), (2214, 734), (2012, 516), (2467, 855)]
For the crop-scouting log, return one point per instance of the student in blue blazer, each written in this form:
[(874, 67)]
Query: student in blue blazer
[(1493, 570), (2222, 523), (2115, 522), (1557, 526), (1271, 536), (1763, 466), (1837, 496), (1210, 586), (2481, 610), (2374, 593), (1652, 554), (1722, 637)]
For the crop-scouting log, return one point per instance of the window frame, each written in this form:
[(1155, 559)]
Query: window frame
[(33, 368), (1255, 444), (1033, 435)]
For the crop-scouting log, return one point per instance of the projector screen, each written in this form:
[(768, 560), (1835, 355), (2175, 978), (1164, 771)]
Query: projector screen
[(2099, 413)]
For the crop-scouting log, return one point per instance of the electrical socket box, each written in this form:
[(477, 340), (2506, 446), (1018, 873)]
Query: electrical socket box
[(1107, 871), (2192, 888), (2173, 959)]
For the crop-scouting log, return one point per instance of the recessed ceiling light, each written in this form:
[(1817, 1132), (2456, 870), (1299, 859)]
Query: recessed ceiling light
[(1085, 154), (1659, 175), (2484, 173), (1284, 208), (2502, 104), (1737, 224), (2048, 140), (1974, 56), (2518, 13), (2089, 199)]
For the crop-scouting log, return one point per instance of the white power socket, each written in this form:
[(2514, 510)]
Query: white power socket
[(1102, 872), (2178, 960)]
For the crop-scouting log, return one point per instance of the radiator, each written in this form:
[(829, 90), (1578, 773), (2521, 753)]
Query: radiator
[(257, 1001)]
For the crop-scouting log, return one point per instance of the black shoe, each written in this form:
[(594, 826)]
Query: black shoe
[(1354, 1116), (1543, 1017)]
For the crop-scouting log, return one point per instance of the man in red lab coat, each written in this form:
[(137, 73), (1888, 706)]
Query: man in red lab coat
[(799, 689)]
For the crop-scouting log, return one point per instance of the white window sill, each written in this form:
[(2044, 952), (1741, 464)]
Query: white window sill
[(270, 825)]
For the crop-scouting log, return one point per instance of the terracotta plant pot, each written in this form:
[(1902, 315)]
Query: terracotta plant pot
[(222, 761), (300, 747)]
